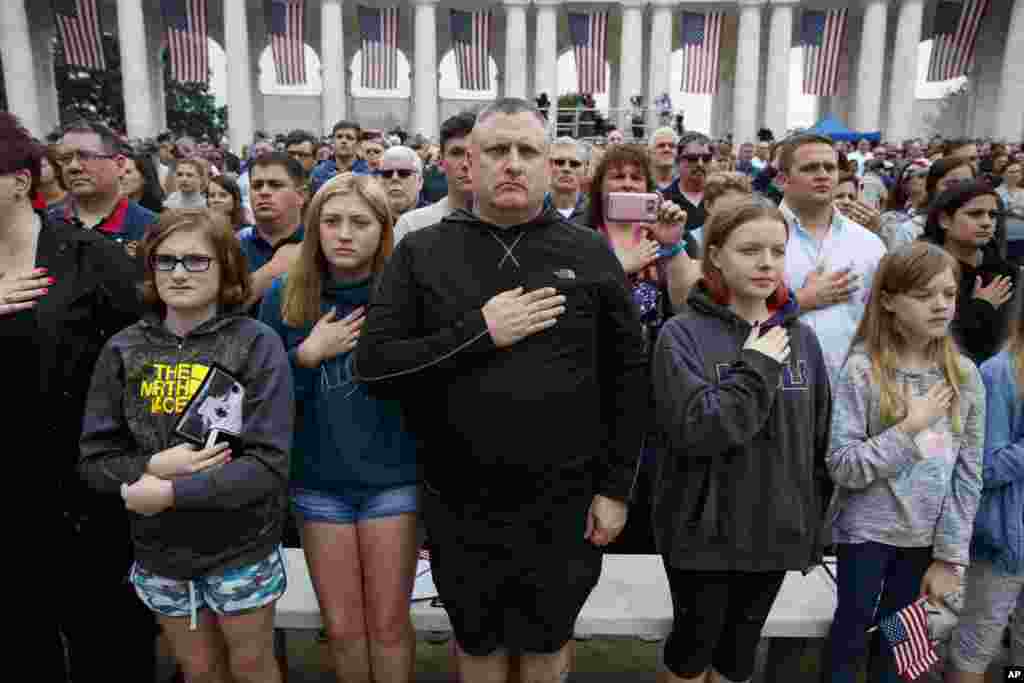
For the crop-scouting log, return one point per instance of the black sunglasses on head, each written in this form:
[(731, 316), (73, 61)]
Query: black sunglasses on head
[(388, 174)]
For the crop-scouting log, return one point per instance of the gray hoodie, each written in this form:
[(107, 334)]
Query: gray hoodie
[(222, 517)]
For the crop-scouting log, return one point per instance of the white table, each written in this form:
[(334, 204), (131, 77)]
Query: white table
[(630, 601)]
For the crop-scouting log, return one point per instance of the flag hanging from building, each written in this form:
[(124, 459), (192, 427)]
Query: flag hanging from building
[(186, 38), (471, 40), (379, 29), (953, 38), (78, 25), (907, 632), (823, 37), (589, 35), (287, 40), (702, 37)]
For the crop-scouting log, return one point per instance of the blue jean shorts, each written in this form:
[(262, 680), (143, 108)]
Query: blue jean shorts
[(354, 506), (233, 591)]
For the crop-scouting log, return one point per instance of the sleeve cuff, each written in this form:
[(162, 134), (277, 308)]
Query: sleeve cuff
[(190, 492)]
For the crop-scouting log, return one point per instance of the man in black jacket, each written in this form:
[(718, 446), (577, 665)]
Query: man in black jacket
[(512, 341)]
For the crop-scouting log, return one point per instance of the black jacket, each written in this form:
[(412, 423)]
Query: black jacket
[(53, 348), (505, 425), (741, 483)]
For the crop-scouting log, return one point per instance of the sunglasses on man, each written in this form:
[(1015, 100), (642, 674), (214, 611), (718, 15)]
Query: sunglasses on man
[(694, 158), (388, 174), (560, 163)]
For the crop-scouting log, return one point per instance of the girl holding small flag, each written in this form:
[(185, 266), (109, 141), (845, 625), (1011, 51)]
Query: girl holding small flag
[(905, 456)]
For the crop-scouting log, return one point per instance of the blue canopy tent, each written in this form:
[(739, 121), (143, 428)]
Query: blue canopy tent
[(834, 129)]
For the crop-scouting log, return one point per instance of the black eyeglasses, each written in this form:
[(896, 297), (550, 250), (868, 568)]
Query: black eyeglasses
[(573, 163), (694, 158), (388, 174), (193, 263)]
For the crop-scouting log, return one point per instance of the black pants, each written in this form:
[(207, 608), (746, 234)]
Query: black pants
[(110, 634)]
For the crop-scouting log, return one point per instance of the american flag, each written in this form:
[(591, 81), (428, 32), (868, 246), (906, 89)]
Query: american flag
[(953, 38), (823, 36), (78, 25), (186, 36), (379, 29), (589, 34), (907, 632), (471, 39), (287, 33), (702, 36)]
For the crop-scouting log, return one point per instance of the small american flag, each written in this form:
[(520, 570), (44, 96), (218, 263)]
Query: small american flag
[(186, 37), (953, 38), (78, 25), (589, 34), (287, 33), (907, 632), (823, 36), (471, 39), (702, 36), (379, 29)]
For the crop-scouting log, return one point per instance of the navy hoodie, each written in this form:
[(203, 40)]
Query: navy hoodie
[(508, 426), (741, 443), (344, 438)]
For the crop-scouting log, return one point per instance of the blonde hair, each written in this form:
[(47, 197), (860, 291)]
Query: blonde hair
[(717, 184), (1015, 347), (900, 271), (302, 290)]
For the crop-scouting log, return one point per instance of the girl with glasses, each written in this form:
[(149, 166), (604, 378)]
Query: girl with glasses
[(206, 519), (354, 475)]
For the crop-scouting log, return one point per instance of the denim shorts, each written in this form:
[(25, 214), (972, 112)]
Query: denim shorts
[(233, 591), (354, 506)]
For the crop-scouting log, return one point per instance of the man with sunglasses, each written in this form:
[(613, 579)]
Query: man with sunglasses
[(693, 158), (91, 165), (568, 167), (401, 176)]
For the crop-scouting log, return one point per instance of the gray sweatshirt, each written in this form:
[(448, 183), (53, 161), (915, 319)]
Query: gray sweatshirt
[(902, 491)]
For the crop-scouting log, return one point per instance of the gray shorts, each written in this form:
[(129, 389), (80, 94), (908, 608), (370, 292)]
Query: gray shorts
[(989, 600)]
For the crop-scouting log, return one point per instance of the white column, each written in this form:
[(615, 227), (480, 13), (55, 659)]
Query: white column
[(425, 69), (867, 114), (332, 60), (19, 71), (515, 48), (780, 44), (748, 52), (240, 86), (546, 78), (903, 87), (631, 60), (660, 74), (1010, 114), (138, 95)]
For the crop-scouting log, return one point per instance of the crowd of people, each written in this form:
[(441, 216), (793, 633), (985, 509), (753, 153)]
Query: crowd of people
[(464, 348)]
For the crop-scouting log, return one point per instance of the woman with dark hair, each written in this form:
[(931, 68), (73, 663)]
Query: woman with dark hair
[(63, 292), (141, 184), (942, 175), (908, 198), (224, 196), (962, 221), (657, 258)]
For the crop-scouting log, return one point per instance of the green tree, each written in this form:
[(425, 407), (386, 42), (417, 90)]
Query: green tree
[(191, 109), (96, 95)]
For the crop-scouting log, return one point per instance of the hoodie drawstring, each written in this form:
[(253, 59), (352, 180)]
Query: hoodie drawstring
[(508, 248), (192, 609)]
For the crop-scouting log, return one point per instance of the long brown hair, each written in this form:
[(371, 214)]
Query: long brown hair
[(723, 224), (909, 267), (303, 288), (1015, 347)]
